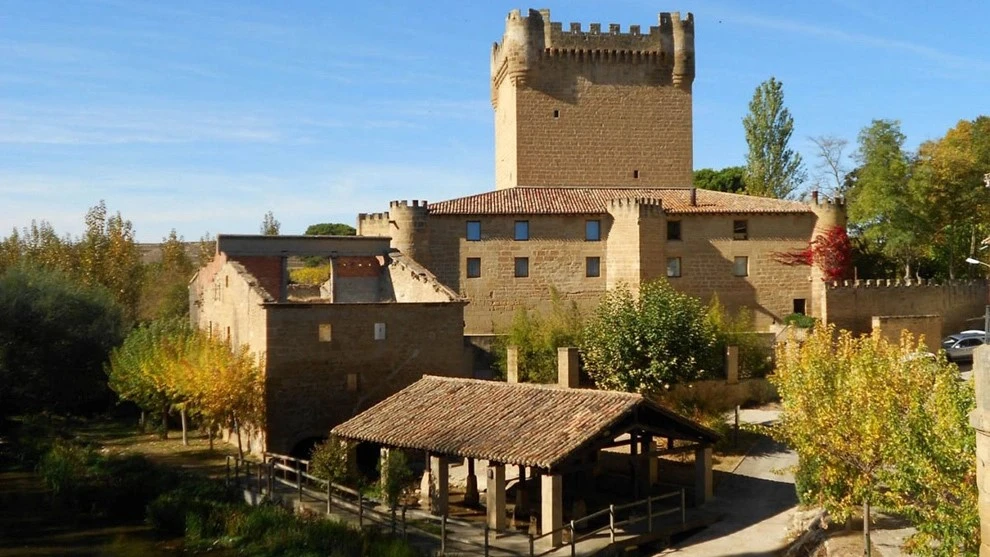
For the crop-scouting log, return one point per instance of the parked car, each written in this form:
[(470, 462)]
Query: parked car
[(959, 347)]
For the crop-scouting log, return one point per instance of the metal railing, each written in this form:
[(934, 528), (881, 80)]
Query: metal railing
[(294, 473)]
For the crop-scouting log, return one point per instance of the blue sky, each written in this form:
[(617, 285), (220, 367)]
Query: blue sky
[(202, 116)]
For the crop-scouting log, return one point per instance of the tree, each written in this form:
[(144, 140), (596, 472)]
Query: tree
[(108, 255), (772, 169), (395, 479), (644, 343), (885, 425), (538, 337), (884, 208), (831, 166), (731, 179), (165, 292), (330, 229), (55, 335), (207, 249), (270, 225)]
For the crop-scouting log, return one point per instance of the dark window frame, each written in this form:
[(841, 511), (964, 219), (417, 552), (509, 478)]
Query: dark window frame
[(674, 230), (740, 230), (735, 266), (588, 267), (597, 236), (516, 270), (467, 231), (467, 267), (515, 231), (680, 267)]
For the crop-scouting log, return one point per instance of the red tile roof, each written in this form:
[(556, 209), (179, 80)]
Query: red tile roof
[(576, 201), (511, 423)]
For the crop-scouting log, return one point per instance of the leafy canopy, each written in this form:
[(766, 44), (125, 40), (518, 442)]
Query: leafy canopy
[(882, 423), (772, 168), (643, 343)]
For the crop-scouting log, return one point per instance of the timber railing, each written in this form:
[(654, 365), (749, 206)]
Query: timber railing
[(294, 473)]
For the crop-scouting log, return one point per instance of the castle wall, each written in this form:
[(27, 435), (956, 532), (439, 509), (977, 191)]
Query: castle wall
[(928, 327), (612, 127), (852, 305), (228, 305), (631, 250), (313, 385)]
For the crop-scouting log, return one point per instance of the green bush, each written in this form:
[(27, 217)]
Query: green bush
[(800, 320), (313, 276), (64, 468), (538, 337)]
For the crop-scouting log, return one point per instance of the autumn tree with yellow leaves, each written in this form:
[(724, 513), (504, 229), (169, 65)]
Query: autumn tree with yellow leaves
[(882, 425)]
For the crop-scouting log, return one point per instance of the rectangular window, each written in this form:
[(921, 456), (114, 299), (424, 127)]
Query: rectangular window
[(592, 230), (740, 230), (522, 266), (473, 267), (673, 230), (522, 230), (799, 305), (326, 333), (352, 382), (593, 266), (474, 230), (673, 266), (379, 331), (740, 267)]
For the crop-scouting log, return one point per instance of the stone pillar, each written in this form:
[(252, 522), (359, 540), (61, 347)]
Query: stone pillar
[(654, 463), (644, 469), (383, 466), (567, 367), (496, 496), (512, 364), (471, 496), (732, 364), (439, 485), (702, 475), (980, 420), (552, 507)]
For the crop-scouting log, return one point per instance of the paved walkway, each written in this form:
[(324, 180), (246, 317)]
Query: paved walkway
[(757, 500)]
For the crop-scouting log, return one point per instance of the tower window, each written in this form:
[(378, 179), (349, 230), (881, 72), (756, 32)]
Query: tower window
[(522, 230), (740, 230), (673, 230), (593, 266), (522, 267), (556, 113), (635, 174), (473, 230), (740, 266), (592, 230), (473, 267)]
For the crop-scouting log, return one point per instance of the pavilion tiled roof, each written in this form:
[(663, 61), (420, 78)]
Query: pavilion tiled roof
[(511, 423), (576, 201)]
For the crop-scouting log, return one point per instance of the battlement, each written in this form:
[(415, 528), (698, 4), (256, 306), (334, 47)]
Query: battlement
[(640, 205), (906, 283), (407, 204), (371, 217), (534, 36)]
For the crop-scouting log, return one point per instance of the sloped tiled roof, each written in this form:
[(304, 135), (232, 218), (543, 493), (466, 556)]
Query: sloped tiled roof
[(512, 423), (577, 201)]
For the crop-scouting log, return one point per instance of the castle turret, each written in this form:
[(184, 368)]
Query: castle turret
[(829, 213), (593, 108), (634, 254), (410, 230)]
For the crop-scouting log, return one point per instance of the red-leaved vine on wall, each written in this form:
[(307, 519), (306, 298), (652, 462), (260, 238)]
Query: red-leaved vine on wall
[(831, 252)]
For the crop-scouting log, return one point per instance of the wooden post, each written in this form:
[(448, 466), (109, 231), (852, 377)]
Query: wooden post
[(486, 539), (649, 514), (531, 553), (228, 467), (611, 524), (683, 509), (403, 521), (866, 528), (299, 481), (360, 510), (735, 430), (329, 496), (443, 534), (573, 540)]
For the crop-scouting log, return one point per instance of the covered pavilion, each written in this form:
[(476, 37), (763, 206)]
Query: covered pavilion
[(552, 430)]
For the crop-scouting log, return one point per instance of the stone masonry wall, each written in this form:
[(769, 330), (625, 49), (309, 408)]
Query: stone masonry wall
[(313, 385), (852, 307), (558, 251), (927, 326)]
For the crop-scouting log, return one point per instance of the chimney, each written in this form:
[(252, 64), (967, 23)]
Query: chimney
[(694, 196), (814, 196), (512, 364), (567, 367)]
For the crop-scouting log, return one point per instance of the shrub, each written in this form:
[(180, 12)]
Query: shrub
[(64, 467), (800, 320), (313, 276), (538, 337)]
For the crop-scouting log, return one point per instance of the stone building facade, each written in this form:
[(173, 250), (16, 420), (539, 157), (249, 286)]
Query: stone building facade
[(378, 324), (508, 249)]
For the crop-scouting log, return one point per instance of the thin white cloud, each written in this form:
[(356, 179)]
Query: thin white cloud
[(947, 59)]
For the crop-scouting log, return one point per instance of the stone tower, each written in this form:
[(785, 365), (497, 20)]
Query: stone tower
[(591, 108), (634, 254), (410, 231), (829, 213)]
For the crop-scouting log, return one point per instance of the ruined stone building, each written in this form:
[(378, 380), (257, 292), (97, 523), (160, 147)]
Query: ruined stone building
[(593, 169), (378, 324)]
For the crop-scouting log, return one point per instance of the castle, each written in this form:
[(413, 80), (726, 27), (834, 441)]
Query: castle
[(593, 170)]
